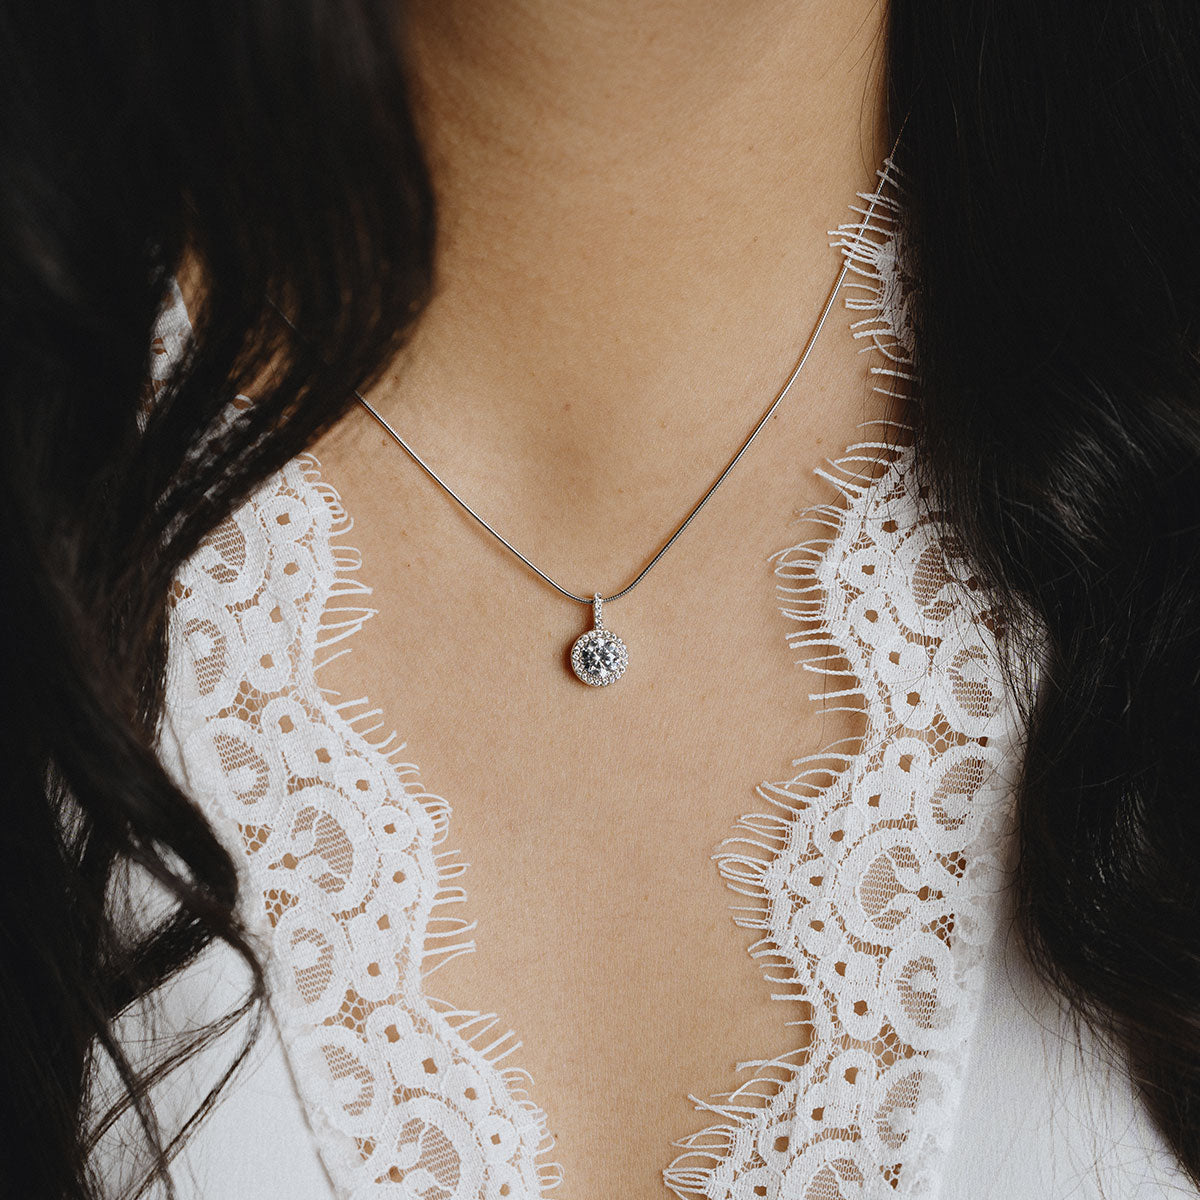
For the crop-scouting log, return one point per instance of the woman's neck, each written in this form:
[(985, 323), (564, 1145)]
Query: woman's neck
[(633, 198)]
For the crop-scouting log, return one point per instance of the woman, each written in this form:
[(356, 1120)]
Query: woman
[(570, 254)]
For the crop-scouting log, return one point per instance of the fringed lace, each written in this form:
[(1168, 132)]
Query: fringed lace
[(866, 874), (345, 850), (869, 873)]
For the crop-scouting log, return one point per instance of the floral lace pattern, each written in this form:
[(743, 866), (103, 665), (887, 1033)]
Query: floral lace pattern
[(870, 875), (874, 874), (341, 845)]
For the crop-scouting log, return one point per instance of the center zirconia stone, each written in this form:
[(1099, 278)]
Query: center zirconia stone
[(599, 657)]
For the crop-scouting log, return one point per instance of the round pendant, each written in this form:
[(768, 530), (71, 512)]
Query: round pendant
[(599, 657)]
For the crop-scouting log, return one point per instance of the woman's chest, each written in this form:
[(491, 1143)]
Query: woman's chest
[(604, 939), (859, 838), (603, 933)]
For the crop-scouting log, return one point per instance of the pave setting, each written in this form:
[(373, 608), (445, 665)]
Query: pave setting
[(599, 657)]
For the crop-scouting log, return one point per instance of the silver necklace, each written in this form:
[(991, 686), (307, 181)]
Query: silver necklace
[(599, 657)]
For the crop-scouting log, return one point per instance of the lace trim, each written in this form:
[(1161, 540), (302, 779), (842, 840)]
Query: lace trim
[(871, 874), (342, 843), (875, 908)]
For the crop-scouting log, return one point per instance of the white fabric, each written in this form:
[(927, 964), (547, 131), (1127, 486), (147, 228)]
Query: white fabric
[(1042, 1116), (875, 877)]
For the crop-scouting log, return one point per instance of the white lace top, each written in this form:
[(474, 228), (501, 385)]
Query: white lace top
[(875, 875)]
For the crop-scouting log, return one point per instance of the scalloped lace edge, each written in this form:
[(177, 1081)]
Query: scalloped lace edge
[(758, 837), (824, 773), (471, 1031)]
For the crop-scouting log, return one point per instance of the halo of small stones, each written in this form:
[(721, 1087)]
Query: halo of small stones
[(597, 678)]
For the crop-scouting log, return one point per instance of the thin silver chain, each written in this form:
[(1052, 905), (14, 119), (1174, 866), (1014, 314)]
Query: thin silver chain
[(590, 599)]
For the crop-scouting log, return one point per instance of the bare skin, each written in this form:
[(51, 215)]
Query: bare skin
[(634, 202)]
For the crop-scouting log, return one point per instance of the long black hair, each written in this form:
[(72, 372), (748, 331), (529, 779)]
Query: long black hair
[(1051, 157)]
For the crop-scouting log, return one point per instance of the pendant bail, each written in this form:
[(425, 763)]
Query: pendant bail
[(598, 656)]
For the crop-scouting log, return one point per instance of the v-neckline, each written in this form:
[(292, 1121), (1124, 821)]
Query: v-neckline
[(347, 857)]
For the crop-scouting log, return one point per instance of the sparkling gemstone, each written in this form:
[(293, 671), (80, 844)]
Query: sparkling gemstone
[(599, 657)]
